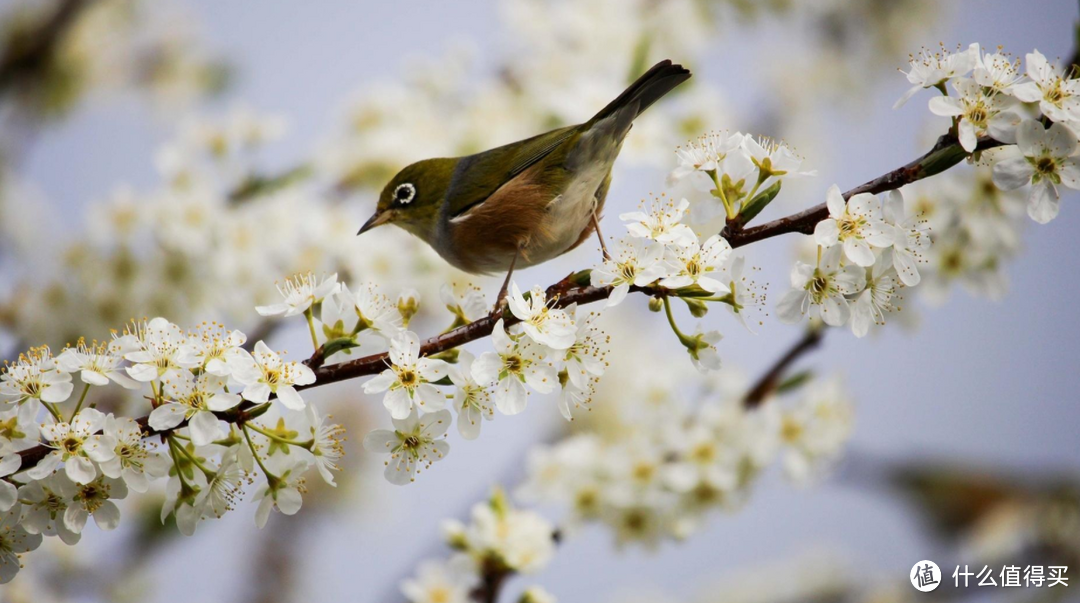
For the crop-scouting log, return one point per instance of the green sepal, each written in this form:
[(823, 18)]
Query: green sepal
[(698, 308), (753, 207), (337, 345), (582, 278), (941, 160), (450, 356)]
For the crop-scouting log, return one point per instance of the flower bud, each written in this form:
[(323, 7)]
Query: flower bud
[(408, 304), (656, 304), (697, 307)]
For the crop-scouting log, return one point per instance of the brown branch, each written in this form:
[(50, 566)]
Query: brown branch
[(574, 288), (946, 153), (31, 52), (771, 379)]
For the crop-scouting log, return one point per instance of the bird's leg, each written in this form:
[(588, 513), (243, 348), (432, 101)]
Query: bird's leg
[(506, 284), (599, 235)]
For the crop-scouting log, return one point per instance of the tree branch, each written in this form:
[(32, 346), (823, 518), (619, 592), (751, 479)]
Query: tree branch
[(771, 379), (574, 289), (946, 153), (28, 54)]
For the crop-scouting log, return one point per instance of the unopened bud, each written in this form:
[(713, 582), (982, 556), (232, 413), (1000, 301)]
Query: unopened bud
[(697, 307), (656, 304), (408, 304)]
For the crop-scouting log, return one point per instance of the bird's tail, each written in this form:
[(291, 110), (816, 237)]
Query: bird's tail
[(646, 90)]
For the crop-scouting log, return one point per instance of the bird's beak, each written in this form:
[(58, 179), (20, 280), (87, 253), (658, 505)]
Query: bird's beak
[(377, 219)]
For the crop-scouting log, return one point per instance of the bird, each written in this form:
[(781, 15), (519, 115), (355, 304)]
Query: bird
[(523, 203)]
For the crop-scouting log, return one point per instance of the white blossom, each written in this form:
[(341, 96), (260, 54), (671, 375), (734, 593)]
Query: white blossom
[(540, 320), (513, 365), (213, 349), (283, 490), (1047, 162), (97, 364), (133, 461), (979, 113), (856, 224), (662, 222), (264, 373), (194, 399), (300, 293), (815, 431), (439, 582), (35, 376), (875, 300), (472, 401), (14, 541), (930, 69), (820, 290), (413, 442), (154, 349), (76, 444), (326, 447), (634, 262), (407, 382), (1058, 97), (95, 499), (699, 264), (44, 503), (911, 238)]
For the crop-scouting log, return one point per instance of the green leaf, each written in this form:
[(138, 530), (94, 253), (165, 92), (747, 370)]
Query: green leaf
[(794, 382), (753, 207)]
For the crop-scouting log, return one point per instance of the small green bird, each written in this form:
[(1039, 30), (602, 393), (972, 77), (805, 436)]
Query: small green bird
[(524, 203)]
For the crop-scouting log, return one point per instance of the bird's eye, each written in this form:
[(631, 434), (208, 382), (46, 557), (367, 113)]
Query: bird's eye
[(404, 193)]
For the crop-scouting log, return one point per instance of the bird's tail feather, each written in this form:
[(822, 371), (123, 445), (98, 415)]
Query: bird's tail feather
[(646, 90)]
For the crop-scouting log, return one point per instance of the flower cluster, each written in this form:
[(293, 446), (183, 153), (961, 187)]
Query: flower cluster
[(867, 249), (655, 479), (499, 540), (661, 251), (545, 349), (742, 173), (222, 411), (993, 98)]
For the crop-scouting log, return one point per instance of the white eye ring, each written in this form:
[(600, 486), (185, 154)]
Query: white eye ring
[(406, 198)]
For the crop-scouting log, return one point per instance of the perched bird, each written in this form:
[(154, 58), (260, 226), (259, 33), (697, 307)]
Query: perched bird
[(524, 203)]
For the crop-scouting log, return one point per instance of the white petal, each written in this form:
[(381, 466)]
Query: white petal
[(1011, 174), (290, 397), (167, 416), (398, 403), (205, 428), (80, 469), (1043, 203), (107, 516)]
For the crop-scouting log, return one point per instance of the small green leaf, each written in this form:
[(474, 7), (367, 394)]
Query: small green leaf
[(753, 207), (794, 382)]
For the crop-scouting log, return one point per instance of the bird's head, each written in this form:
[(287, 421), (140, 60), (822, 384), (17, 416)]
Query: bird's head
[(413, 198)]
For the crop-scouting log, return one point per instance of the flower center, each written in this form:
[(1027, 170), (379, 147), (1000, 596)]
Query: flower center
[(71, 444), (977, 115), (1045, 166), (818, 287), (1055, 94), (850, 227), (408, 378), (514, 364)]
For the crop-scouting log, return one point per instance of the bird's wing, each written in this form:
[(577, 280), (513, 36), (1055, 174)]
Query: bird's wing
[(478, 176)]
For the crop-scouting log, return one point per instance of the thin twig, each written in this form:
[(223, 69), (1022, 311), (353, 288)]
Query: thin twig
[(771, 379)]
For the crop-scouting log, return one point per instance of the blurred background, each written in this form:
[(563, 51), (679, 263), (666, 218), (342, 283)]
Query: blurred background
[(177, 157)]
